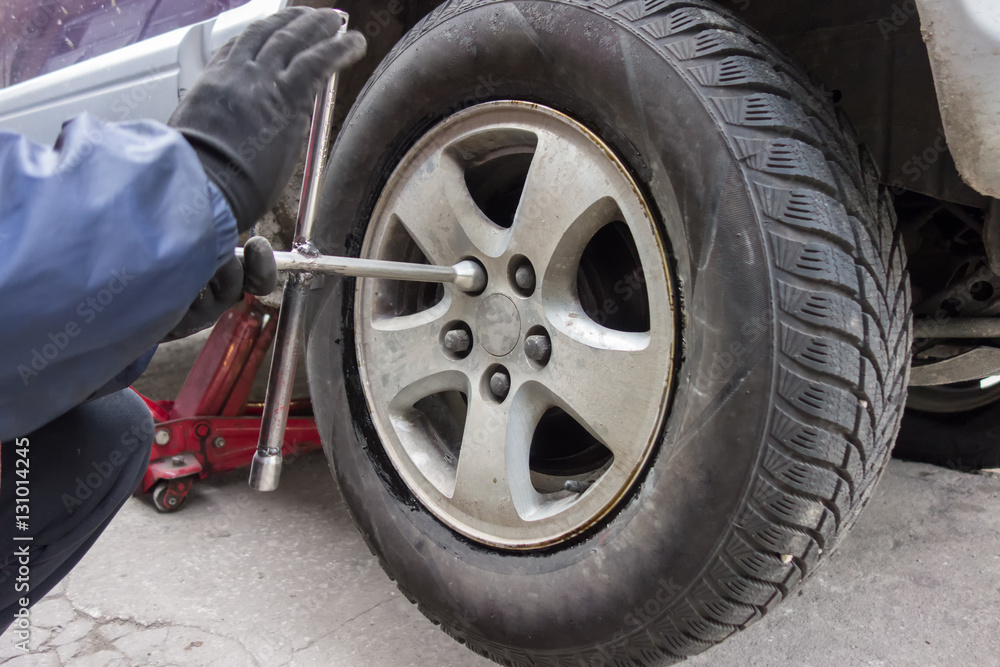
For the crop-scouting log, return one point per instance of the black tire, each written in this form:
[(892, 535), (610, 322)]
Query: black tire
[(775, 437), (955, 437)]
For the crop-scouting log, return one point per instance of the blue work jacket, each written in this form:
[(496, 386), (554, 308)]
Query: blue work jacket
[(105, 241)]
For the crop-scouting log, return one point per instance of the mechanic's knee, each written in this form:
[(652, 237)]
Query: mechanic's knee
[(84, 466), (119, 446), (106, 444)]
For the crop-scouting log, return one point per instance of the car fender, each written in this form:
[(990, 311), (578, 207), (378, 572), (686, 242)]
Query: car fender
[(963, 42)]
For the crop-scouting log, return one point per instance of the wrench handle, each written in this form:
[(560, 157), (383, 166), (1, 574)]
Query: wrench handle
[(265, 469)]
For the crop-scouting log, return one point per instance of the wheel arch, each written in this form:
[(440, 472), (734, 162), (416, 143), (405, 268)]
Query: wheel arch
[(889, 95)]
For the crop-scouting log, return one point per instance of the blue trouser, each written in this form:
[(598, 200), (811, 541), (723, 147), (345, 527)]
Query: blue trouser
[(82, 467)]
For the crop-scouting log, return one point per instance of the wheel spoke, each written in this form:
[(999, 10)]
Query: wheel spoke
[(411, 361), (565, 201), (611, 382), (493, 482), (437, 210)]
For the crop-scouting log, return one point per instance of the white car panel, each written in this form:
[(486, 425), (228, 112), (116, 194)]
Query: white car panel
[(142, 80), (963, 41)]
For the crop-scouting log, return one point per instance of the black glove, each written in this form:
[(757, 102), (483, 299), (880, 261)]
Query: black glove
[(256, 274), (247, 115)]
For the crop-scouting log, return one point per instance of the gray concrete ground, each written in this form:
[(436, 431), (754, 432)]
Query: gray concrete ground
[(238, 578)]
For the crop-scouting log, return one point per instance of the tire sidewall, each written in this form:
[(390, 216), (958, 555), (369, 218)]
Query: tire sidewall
[(629, 570)]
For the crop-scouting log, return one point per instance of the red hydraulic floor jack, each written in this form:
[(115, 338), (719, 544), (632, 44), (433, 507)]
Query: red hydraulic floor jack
[(211, 427)]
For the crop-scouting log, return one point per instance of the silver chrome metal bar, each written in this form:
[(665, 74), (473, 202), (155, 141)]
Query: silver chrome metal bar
[(466, 275), (265, 469), (958, 327), (317, 152)]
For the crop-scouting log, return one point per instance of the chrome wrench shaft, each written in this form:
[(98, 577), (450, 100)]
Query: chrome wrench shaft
[(466, 275), (302, 264), (265, 469)]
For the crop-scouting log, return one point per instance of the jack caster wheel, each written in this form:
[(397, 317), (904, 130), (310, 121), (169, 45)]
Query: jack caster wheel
[(170, 496)]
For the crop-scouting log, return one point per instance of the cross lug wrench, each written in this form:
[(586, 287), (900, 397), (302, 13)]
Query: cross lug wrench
[(467, 275), (302, 265)]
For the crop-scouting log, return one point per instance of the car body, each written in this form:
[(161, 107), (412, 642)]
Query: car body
[(117, 60)]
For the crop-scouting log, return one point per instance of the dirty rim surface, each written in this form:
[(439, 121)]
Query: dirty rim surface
[(518, 416)]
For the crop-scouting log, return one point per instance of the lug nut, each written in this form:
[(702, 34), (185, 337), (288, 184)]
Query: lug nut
[(575, 486), (524, 277), (500, 384), (538, 347), (219, 442), (457, 341)]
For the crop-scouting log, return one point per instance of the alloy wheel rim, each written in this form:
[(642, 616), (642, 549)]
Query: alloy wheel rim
[(519, 416)]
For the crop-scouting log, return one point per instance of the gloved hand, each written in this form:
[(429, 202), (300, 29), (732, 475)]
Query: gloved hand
[(256, 274), (248, 114)]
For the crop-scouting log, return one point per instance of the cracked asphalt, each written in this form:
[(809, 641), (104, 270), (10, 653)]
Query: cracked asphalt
[(240, 578)]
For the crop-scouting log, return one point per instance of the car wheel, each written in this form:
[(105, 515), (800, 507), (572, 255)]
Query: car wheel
[(684, 375)]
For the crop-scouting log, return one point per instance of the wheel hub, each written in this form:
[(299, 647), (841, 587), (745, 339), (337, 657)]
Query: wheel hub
[(498, 325), (522, 415)]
